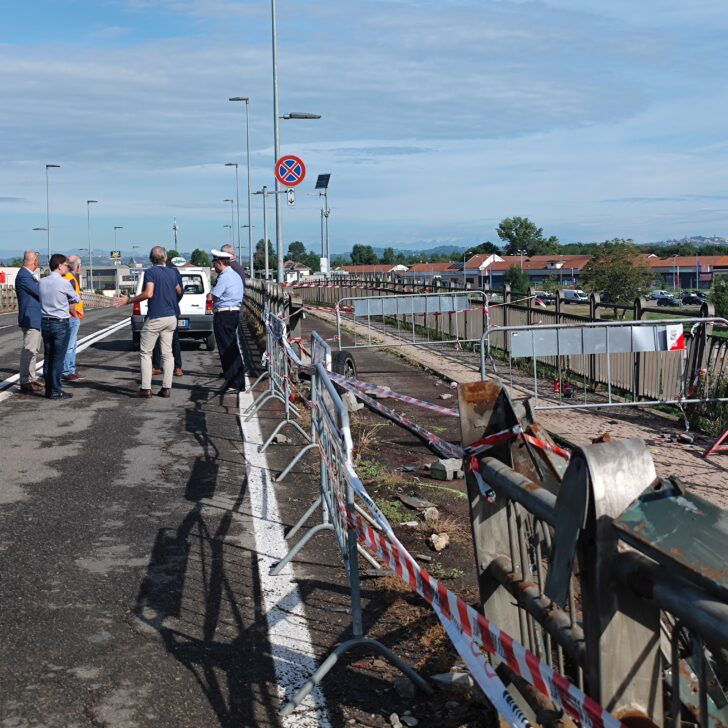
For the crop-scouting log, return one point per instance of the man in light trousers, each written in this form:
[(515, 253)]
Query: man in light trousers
[(29, 320), (162, 291), (77, 313)]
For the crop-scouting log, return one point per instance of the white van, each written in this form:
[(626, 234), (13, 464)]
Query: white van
[(574, 295), (195, 320)]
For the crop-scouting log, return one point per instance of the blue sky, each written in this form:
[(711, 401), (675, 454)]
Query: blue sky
[(440, 117)]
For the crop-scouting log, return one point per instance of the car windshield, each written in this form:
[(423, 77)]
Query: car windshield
[(192, 284)]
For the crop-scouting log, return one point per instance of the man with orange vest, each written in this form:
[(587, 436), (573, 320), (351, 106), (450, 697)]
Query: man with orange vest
[(77, 313)]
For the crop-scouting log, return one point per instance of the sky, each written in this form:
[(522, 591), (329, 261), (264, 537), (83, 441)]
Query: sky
[(439, 118)]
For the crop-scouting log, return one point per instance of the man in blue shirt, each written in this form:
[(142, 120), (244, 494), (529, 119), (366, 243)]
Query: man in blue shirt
[(227, 299), (162, 289), (56, 295), (28, 293)]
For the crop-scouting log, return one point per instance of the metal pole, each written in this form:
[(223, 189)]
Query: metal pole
[(232, 225), (247, 159), (48, 220), (265, 229), (326, 224), (90, 258), (276, 144)]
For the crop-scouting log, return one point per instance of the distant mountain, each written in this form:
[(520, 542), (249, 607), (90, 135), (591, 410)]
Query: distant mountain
[(694, 240), (451, 250)]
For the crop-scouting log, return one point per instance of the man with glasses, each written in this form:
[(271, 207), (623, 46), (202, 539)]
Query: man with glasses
[(56, 295)]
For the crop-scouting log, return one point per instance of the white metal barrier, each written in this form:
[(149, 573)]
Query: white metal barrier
[(615, 356), (415, 318)]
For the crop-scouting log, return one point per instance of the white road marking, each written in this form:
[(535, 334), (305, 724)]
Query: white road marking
[(290, 640), (82, 344)]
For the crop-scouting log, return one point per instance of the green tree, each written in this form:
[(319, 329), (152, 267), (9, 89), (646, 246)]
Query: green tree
[(718, 296), (16, 262), (389, 256), (551, 284), (173, 254), (259, 257), (617, 272), (519, 280), (486, 248), (200, 257), (363, 255), (296, 251), (519, 233)]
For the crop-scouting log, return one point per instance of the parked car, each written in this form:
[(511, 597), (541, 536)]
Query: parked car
[(692, 299), (195, 321), (545, 296), (657, 294), (574, 295), (668, 300)]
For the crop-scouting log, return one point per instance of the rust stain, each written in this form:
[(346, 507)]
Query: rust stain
[(604, 437), (635, 719), (478, 393)]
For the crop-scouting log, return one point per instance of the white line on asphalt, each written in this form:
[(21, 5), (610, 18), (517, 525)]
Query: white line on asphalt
[(81, 345), (290, 640)]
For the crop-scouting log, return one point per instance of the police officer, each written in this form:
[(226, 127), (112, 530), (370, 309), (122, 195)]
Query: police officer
[(227, 300)]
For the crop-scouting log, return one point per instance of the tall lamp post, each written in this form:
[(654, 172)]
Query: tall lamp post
[(237, 202), (116, 261), (88, 229), (246, 99), (48, 210), (264, 191), (232, 221)]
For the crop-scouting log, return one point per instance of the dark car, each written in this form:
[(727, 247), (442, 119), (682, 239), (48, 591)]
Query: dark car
[(692, 299), (668, 301)]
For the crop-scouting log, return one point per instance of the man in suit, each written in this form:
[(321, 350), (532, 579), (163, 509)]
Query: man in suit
[(29, 321)]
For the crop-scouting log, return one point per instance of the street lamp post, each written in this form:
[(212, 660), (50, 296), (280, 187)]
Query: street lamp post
[(232, 221), (116, 261), (246, 99), (265, 193), (237, 202), (48, 210), (88, 229), (522, 253)]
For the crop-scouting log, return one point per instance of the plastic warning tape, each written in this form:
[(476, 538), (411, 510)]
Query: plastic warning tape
[(440, 446), (374, 389), (480, 633), (560, 451)]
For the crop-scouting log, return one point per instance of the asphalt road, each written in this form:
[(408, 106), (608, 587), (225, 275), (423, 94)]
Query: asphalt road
[(128, 590)]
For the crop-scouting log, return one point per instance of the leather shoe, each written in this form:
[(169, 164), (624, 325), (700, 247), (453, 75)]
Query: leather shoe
[(30, 388), (73, 378), (164, 392), (156, 371), (144, 394), (178, 372), (59, 395)]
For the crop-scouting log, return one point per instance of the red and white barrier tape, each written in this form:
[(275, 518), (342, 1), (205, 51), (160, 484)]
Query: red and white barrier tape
[(560, 451), (477, 634), (440, 446), (374, 389)]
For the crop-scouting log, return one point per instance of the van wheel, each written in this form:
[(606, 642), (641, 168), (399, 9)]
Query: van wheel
[(342, 362), (136, 341), (210, 342)]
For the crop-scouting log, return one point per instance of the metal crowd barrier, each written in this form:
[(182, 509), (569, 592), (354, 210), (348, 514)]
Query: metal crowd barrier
[(333, 437), (278, 375), (417, 318), (617, 357)]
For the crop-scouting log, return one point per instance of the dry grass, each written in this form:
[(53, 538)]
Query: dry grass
[(366, 442), (455, 529)]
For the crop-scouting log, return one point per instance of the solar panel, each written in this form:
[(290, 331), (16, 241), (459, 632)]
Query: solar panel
[(322, 183)]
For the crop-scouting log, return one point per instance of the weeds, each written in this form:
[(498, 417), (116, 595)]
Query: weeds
[(367, 440), (440, 572), (393, 510), (369, 470)]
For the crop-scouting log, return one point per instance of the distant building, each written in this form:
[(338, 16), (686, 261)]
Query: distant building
[(293, 271), (383, 269), (111, 277)]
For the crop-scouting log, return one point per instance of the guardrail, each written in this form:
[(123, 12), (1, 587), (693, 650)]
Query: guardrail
[(9, 299)]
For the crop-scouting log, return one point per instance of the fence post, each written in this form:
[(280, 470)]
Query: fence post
[(638, 314), (529, 305), (624, 660)]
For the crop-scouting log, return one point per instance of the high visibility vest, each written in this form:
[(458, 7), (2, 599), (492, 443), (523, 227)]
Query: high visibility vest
[(79, 306)]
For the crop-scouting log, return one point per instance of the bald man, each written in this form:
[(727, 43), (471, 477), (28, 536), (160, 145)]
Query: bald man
[(29, 320), (77, 313)]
